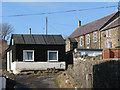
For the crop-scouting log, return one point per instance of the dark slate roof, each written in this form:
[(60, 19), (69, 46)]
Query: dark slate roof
[(72, 40), (38, 39), (115, 23), (90, 27)]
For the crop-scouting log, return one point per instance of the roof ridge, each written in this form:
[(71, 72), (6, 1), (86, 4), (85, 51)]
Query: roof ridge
[(79, 28), (100, 18)]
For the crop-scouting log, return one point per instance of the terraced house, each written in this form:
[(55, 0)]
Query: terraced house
[(99, 34)]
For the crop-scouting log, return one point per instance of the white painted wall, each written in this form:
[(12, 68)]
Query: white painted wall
[(8, 62), (91, 53), (2, 83), (19, 66)]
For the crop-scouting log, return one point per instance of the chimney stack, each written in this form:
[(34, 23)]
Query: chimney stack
[(79, 23), (117, 9), (30, 30)]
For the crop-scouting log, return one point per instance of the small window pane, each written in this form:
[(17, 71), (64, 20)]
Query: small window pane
[(108, 33), (87, 39), (81, 42), (109, 44), (95, 37), (29, 55), (52, 55)]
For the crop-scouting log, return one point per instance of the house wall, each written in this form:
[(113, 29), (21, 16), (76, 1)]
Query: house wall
[(40, 52), (114, 37), (79, 42), (118, 35), (92, 44), (67, 45), (17, 67)]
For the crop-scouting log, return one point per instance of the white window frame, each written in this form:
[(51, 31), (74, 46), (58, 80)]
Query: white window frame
[(108, 31), (96, 37), (88, 40), (28, 51), (52, 51), (81, 40)]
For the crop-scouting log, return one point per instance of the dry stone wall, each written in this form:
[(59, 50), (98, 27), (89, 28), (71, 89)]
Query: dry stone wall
[(94, 72)]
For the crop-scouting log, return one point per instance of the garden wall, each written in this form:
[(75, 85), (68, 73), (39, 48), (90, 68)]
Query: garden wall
[(95, 72)]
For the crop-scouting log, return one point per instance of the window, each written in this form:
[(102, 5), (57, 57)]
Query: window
[(88, 39), (95, 37), (52, 55), (108, 33), (109, 44), (81, 40), (28, 55)]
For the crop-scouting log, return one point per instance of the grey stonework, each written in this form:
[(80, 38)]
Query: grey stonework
[(94, 72), (114, 37)]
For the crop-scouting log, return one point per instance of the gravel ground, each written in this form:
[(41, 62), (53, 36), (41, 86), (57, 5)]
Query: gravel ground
[(35, 82)]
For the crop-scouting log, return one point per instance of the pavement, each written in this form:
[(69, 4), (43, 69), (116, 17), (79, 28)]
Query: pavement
[(34, 82)]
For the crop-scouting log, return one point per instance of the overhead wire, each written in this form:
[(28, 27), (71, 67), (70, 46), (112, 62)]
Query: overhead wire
[(67, 11)]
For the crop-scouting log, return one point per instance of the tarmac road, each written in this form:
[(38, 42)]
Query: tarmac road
[(34, 82)]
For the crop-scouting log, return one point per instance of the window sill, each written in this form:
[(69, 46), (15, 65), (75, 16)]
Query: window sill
[(52, 60), (28, 60)]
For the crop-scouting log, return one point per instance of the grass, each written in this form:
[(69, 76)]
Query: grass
[(56, 83)]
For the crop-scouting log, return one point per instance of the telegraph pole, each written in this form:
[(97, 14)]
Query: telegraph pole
[(46, 25)]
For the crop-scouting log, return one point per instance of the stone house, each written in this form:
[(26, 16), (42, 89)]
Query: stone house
[(99, 34)]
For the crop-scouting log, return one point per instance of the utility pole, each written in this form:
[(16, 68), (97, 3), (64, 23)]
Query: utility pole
[(46, 25)]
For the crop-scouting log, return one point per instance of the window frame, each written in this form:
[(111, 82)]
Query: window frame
[(94, 36), (108, 43), (48, 55), (24, 51), (107, 33), (81, 41), (88, 40)]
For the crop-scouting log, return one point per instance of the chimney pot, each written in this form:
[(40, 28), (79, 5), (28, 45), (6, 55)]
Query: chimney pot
[(117, 9), (79, 23), (30, 30)]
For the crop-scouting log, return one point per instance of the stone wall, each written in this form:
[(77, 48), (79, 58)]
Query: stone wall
[(67, 45), (94, 72), (114, 37)]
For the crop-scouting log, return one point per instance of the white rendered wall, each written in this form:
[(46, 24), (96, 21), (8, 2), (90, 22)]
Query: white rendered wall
[(19, 66), (91, 53)]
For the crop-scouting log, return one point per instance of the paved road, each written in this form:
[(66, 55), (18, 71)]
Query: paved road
[(32, 82)]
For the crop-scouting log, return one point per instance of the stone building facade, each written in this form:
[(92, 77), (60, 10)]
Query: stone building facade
[(99, 34)]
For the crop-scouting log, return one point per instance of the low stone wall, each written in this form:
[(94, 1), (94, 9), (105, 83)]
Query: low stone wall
[(95, 72), (19, 66)]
